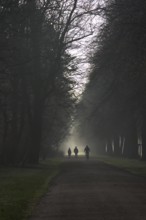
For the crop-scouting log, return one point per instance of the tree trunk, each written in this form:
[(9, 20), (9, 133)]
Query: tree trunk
[(144, 136), (109, 147), (131, 143), (36, 137), (37, 105), (117, 150), (3, 153)]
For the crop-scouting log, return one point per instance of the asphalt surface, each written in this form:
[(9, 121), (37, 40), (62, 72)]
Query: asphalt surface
[(92, 190)]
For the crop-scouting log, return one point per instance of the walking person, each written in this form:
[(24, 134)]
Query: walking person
[(69, 152), (87, 150), (76, 151)]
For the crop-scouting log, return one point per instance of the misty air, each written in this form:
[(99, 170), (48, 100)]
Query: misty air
[(72, 110)]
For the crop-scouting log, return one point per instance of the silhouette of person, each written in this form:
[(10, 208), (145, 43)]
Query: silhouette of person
[(76, 151), (87, 150), (69, 152)]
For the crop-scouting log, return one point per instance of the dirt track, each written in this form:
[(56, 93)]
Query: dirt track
[(91, 190)]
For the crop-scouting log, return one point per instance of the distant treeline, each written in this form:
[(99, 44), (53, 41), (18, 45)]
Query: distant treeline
[(114, 101), (35, 85), (37, 79)]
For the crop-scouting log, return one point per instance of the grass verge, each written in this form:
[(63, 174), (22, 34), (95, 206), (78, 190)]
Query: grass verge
[(133, 166), (20, 188)]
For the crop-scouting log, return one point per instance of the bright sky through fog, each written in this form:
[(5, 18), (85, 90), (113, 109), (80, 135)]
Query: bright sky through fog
[(81, 48)]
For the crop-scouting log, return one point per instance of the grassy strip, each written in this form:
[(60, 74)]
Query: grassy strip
[(20, 189), (134, 166)]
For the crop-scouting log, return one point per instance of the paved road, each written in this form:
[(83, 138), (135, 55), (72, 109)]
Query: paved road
[(91, 190)]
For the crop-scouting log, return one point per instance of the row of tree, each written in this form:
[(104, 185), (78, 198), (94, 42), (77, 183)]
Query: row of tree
[(114, 101), (36, 74)]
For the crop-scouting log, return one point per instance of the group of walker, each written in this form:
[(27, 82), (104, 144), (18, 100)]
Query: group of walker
[(76, 151)]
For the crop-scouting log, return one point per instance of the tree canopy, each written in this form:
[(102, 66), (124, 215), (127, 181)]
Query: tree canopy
[(115, 95), (36, 74)]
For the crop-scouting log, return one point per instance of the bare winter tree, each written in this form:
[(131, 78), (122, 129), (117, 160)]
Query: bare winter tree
[(116, 92), (37, 68)]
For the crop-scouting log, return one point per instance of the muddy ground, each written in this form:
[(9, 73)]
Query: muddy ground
[(92, 190)]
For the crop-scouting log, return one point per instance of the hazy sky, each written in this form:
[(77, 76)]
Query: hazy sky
[(82, 48)]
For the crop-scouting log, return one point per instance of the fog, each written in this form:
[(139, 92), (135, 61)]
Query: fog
[(76, 139)]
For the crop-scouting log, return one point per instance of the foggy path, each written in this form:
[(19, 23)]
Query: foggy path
[(91, 190)]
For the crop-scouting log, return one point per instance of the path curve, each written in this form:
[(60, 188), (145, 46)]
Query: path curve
[(92, 190)]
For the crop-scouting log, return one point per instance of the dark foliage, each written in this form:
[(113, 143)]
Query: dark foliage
[(116, 90)]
